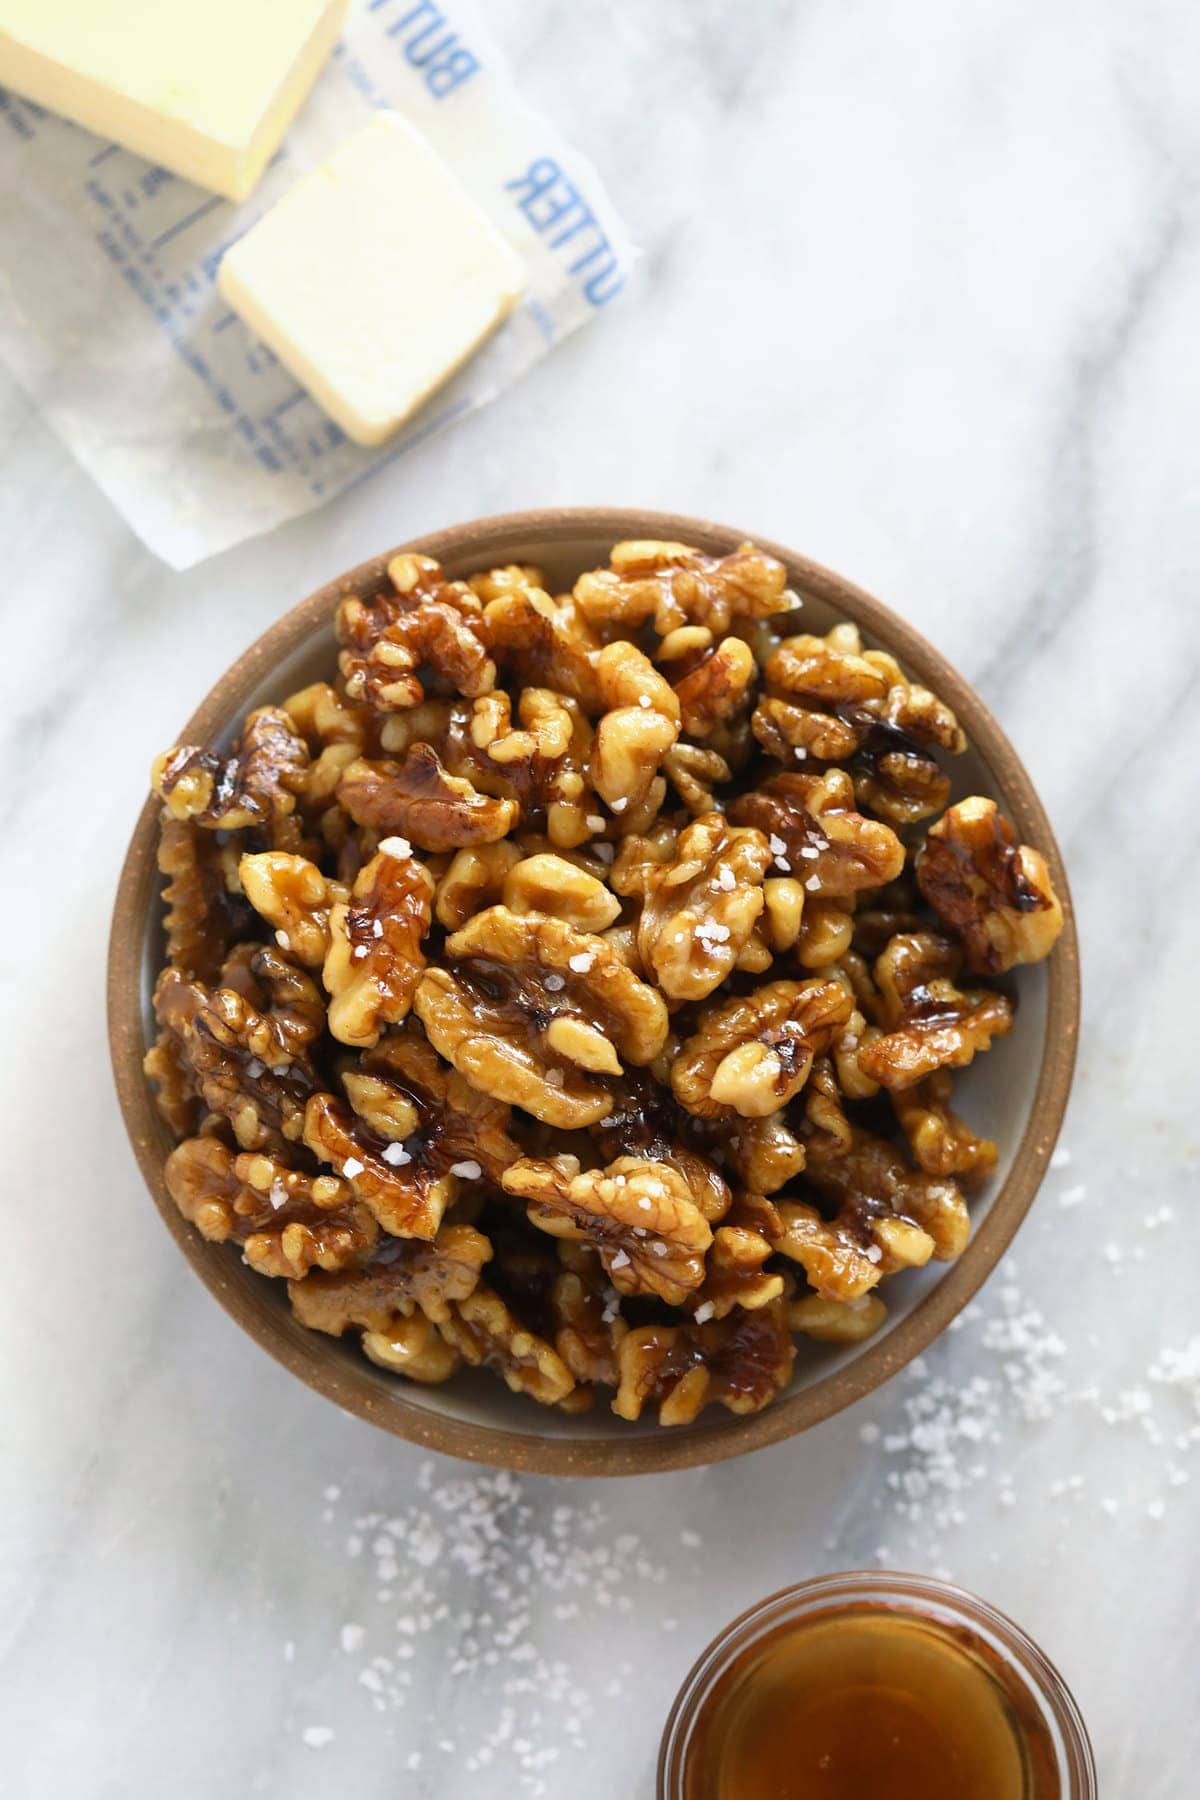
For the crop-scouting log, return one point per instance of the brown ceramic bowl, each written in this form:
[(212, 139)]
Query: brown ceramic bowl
[(1017, 1093)]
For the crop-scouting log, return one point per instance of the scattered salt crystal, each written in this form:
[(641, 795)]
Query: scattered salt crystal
[(776, 845), (469, 1169), (283, 940), (377, 928), (555, 1077), (352, 1167), (702, 1313), (395, 846), (1073, 1196), (619, 805), (620, 1260), (332, 1494), (395, 1154), (1061, 1158), (691, 1540), (868, 1433), (255, 1067), (810, 853), (358, 952), (582, 961), (873, 1253), (277, 1194), (726, 880), (594, 822), (317, 1736), (289, 1651), (645, 700), (1156, 1509), (352, 1638), (659, 1248), (554, 983), (603, 852), (813, 883)]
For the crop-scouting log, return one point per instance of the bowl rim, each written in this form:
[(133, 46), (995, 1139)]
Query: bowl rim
[(493, 540)]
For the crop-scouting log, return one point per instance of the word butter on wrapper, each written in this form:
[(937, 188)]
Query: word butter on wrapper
[(112, 319), (205, 88), (374, 279)]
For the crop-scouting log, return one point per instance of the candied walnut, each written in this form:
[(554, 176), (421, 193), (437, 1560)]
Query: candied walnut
[(765, 1154), (322, 716), (640, 723), (837, 1321), (166, 1069), (255, 787), (717, 687), (220, 1036), (814, 833), (426, 624), (273, 1010), (639, 1216), (293, 896), (545, 643), (201, 917), (740, 1362), (473, 882), (928, 1022), (640, 854), (994, 893), (510, 578), (646, 1122), (889, 1216), (408, 1197), (533, 1008), (375, 957), (458, 1129), (700, 909), (414, 1348), (826, 1126), (588, 1326), (673, 585), (486, 1334), (826, 933), (827, 698), (694, 771), (286, 1221), (557, 889), (403, 1276), (741, 1244), (754, 1052), (940, 1142), (783, 912), (418, 799)]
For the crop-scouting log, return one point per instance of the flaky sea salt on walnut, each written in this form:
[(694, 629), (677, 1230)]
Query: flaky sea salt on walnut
[(753, 1053), (639, 1215), (375, 952), (531, 1010), (700, 907), (287, 1222), (294, 897)]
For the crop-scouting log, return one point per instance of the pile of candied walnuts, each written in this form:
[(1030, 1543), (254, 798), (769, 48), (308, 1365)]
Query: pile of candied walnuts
[(573, 987)]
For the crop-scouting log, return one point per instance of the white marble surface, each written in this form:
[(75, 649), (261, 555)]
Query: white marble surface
[(919, 296)]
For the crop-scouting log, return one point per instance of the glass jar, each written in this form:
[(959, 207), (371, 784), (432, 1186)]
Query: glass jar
[(1049, 1756)]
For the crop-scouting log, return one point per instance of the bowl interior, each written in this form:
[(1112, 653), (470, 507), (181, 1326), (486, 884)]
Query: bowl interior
[(475, 1415)]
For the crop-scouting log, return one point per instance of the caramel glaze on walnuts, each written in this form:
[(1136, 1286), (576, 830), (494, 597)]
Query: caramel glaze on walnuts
[(572, 987)]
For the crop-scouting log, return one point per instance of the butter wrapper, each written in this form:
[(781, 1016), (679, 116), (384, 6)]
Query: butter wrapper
[(111, 320)]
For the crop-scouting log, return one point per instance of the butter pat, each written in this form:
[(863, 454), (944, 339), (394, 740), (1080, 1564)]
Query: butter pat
[(205, 88), (374, 279)]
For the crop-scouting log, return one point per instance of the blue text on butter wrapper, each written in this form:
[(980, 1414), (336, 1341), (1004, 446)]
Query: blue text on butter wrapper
[(558, 212), (429, 44)]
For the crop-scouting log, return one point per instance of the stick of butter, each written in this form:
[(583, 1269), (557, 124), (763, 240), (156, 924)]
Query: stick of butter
[(374, 279), (206, 88)]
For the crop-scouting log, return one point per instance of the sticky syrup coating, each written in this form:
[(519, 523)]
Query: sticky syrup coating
[(572, 985)]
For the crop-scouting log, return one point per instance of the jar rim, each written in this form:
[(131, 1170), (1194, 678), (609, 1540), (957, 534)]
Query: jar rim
[(943, 1601)]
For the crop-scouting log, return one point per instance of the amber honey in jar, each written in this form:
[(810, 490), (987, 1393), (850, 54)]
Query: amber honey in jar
[(875, 1687)]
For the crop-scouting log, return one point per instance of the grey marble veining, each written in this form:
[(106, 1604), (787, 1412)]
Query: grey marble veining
[(918, 295)]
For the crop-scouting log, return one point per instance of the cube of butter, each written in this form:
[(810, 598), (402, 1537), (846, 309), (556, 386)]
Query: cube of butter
[(206, 88), (374, 279)]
